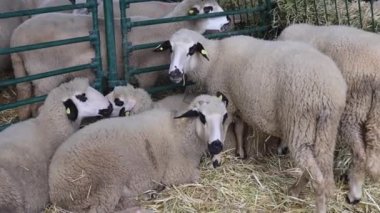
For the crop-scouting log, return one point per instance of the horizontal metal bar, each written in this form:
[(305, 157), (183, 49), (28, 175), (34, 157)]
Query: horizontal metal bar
[(210, 36), (154, 90), (149, 69), (48, 44), (22, 102), (2, 127), (45, 10), (47, 74), (135, 1), (238, 32), (200, 16)]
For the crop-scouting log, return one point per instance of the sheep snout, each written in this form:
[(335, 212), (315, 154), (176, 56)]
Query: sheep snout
[(106, 112), (215, 147)]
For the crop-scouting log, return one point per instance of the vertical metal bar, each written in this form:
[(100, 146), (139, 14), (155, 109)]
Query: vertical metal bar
[(372, 16), (336, 12), (305, 5), (124, 31), (326, 14), (347, 13), (360, 14), (316, 12), (110, 42), (95, 41)]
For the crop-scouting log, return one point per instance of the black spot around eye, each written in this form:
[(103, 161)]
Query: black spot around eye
[(202, 118), (71, 109), (82, 97), (208, 9), (118, 102), (193, 11), (225, 117)]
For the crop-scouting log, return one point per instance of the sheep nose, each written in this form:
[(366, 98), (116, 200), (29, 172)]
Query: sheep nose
[(175, 74), (215, 147), (106, 112)]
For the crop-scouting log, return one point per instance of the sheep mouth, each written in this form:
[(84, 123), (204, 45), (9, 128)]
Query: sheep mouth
[(124, 113)]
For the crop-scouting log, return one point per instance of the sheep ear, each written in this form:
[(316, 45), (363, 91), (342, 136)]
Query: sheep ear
[(71, 109), (202, 51), (189, 114), (163, 46), (222, 97)]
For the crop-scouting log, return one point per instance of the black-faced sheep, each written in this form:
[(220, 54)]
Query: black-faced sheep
[(357, 54), (59, 26), (299, 98), (27, 147), (118, 158), (127, 100)]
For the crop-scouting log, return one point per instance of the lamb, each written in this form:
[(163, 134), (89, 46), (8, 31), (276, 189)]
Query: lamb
[(63, 26), (357, 54), (127, 100), (120, 158), (299, 99), (24, 158), (9, 24)]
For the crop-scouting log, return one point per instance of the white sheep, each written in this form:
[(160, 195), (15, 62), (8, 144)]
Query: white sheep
[(357, 54), (299, 98), (9, 24), (27, 147), (62, 26), (127, 100), (117, 159)]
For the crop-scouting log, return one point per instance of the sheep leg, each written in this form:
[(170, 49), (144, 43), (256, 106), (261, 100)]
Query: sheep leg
[(239, 133), (24, 90), (372, 138), (351, 134), (302, 153), (106, 199), (11, 199)]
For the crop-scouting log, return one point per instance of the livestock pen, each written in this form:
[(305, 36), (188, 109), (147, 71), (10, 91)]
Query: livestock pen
[(258, 184)]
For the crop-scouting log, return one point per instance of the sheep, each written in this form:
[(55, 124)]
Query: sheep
[(119, 158), (127, 100), (61, 26), (24, 157), (152, 9), (357, 54), (9, 24), (299, 99)]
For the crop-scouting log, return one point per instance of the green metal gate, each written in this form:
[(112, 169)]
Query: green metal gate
[(93, 37)]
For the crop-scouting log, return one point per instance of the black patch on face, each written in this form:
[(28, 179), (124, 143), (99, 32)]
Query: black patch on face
[(198, 47), (224, 98), (122, 112), (82, 97), (225, 118), (215, 164), (71, 109), (208, 9), (188, 114), (164, 46), (202, 118), (193, 11), (118, 102)]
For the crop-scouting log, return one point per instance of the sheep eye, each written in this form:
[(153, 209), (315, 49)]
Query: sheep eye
[(208, 9), (118, 102), (192, 50), (225, 118), (82, 97), (202, 118)]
